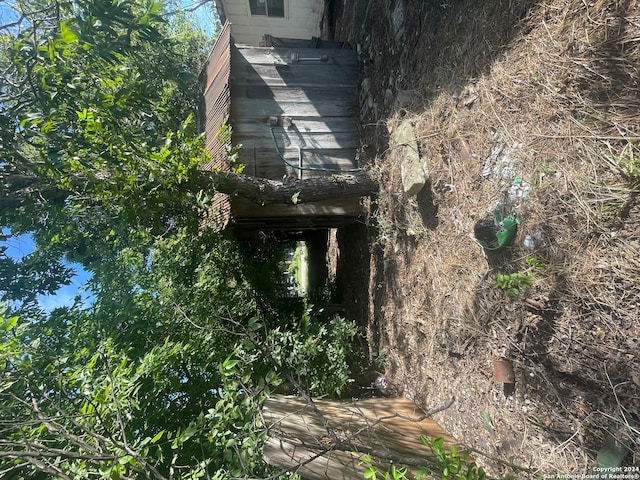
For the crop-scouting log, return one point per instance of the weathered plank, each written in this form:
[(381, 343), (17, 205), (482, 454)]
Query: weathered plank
[(293, 139), (300, 124), (294, 94), (327, 207), (265, 162), (335, 465), (317, 215), (248, 108), (295, 223), (304, 76), (334, 438), (274, 56)]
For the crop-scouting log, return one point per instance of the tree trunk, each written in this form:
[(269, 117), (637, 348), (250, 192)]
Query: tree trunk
[(17, 188), (263, 191)]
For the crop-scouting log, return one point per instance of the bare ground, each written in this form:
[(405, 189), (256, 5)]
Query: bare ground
[(548, 92)]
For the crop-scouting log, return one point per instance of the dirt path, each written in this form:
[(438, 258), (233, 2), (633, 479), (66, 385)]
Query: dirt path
[(544, 92)]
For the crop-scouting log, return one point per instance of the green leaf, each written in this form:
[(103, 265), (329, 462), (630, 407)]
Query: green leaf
[(254, 324), (155, 8), (188, 433), (8, 324), (370, 474), (157, 437), (51, 49), (67, 35), (438, 444), (86, 408), (295, 197), (47, 126), (229, 364)]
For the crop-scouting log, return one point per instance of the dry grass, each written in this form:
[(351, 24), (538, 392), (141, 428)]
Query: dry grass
[(557, 93)]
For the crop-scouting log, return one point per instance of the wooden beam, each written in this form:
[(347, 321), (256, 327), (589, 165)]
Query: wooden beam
[(327, 440)]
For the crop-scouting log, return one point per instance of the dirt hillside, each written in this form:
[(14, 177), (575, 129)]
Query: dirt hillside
[(531, 108)]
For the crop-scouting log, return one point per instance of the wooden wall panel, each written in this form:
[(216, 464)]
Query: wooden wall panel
[(283, 56), (251, 126), (292, 139), (251, 108), (303, 75), (266, 163), (311, 108)]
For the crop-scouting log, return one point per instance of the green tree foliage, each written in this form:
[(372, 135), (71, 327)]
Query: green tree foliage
[(97, 131), (163, 374)]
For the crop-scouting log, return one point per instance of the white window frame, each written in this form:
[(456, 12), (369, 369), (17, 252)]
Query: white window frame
[(285, 5)]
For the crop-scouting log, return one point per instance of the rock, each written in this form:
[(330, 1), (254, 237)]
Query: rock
[(405, 98), (385, 386), (412, 169), (533, 240)]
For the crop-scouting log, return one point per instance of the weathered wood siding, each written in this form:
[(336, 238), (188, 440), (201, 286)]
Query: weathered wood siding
[(216, 99), (301, 20), (310, 106), (295, 113), (214, 113), (300, 105)]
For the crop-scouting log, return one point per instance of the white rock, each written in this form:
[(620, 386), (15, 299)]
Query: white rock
[(412, 170)]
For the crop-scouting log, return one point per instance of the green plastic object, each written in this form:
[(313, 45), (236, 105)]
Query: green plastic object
[(508, 231), (612, 453)]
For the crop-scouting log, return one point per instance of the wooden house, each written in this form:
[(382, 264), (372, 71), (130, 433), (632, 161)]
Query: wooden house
[(256, 22), (294, 111)]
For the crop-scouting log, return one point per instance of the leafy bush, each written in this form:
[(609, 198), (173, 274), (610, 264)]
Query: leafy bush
[(512, 283), (448, 464), (315, 353)]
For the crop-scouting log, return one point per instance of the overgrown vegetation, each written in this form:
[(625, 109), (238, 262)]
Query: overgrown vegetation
[(544, 92), (169, 375), (296, 269), (512, 283), (626, 160), (444, 462), (162, 374)]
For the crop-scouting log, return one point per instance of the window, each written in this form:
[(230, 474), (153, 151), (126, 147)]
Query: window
[(271, 8)]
